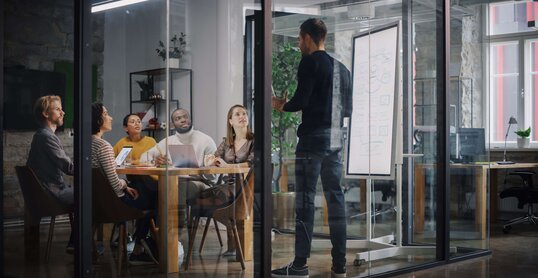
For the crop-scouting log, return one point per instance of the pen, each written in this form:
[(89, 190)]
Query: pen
[(159, 149)]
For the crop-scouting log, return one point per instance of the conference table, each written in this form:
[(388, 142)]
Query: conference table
[(168, 205), (480, 175)]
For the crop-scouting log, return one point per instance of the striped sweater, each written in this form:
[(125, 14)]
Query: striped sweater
[(103, 157)]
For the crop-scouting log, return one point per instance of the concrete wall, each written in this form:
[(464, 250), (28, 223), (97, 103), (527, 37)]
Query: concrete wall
[(216, 47), (131, 37), (214, 32)]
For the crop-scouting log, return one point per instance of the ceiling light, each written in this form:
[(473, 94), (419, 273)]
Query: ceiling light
[(107, 5)]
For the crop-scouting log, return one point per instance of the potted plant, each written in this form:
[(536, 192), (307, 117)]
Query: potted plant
[(146, 88), (286, 58), (523, 139), (178, 43)]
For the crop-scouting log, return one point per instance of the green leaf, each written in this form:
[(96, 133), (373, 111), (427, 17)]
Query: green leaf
[(524, 133), (286, 58)]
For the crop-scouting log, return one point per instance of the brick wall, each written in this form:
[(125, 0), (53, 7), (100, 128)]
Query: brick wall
[(37, 35)]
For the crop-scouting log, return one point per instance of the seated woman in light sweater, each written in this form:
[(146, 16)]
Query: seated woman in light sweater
[(103, 158)]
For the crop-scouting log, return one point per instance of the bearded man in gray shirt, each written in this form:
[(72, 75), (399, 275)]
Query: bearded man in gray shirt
[(47, 156)]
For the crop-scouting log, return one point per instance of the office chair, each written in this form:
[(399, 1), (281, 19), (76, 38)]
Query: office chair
[(388, 190), (39, 202), (526, 195), (108, 208), (230, 214)]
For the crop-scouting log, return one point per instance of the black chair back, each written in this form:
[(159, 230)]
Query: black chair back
[(37, 198), (106, 206)]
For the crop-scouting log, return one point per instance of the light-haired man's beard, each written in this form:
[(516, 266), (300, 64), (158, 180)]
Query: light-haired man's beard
[(58, 122), (183, 129)]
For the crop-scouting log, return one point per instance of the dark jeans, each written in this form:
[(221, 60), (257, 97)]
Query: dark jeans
[(309, 165), (146, 201)]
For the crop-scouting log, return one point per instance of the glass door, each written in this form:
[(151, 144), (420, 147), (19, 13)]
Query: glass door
[(469, 146), (378, 186)]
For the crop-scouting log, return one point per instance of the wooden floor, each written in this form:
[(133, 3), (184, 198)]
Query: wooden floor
[(512, 255)]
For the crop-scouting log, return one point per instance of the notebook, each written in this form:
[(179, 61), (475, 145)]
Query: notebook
[(183, 156), (123, 155)]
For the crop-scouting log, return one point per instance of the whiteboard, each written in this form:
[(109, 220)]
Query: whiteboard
[(372, 131)]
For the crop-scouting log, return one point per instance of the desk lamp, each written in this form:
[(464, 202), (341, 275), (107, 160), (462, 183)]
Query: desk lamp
[(510, 123)]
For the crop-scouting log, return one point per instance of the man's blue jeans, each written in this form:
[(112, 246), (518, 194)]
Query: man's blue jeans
[(309, 165)]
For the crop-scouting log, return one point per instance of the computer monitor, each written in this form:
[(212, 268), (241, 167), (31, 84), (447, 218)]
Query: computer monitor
[(472, 144)]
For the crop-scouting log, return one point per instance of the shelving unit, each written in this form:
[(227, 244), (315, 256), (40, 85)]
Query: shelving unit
[(153, 99)]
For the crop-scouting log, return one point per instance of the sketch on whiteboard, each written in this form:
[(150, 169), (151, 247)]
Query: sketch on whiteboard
[(371, 143)]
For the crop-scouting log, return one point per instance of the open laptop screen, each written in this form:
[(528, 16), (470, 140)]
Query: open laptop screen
[(123, 155), (183, 156)]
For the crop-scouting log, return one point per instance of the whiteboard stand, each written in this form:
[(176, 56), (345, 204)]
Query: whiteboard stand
[(387, 246)]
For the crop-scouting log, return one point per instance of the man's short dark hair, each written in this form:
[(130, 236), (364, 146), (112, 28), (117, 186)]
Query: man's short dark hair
[(178, 109), (316, 28)]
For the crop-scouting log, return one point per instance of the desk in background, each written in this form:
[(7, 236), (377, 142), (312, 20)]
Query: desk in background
[(480, 181), (168, 210)]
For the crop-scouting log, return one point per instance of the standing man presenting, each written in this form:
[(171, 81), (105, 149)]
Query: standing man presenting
[(324, 96)]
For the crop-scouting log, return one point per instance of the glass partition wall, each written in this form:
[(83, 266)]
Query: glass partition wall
[(161, 56), (38, 59), (469, 146), (392, 217), (150, 58)]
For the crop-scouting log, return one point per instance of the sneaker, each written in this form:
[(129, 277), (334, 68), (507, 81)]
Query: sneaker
[(100, 248), (290, 271), (229, 254), (70, 248), (150, 248), (140, 259), (338, 271)]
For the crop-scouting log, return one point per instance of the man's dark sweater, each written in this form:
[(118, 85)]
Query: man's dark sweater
[(314, 94)]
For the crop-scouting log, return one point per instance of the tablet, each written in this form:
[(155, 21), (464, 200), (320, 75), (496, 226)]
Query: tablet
[(123, 155)]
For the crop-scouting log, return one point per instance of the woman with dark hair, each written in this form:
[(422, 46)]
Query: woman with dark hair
[(146, 185), (103, 158), (237, 148), (140, 143)]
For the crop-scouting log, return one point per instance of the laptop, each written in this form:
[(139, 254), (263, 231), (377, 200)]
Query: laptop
[(123, 155), (183, 156)]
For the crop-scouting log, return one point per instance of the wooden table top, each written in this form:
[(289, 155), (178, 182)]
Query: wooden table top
[(134, 170)]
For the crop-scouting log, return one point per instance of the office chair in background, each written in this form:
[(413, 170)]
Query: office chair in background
[(388, 190), (39, 203), (526, 195)]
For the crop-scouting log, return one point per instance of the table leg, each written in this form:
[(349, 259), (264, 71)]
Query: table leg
[(481, 201), (325, 212), (419, 200), (245, 238), (362, 200), (168, 224), (493, 197)]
